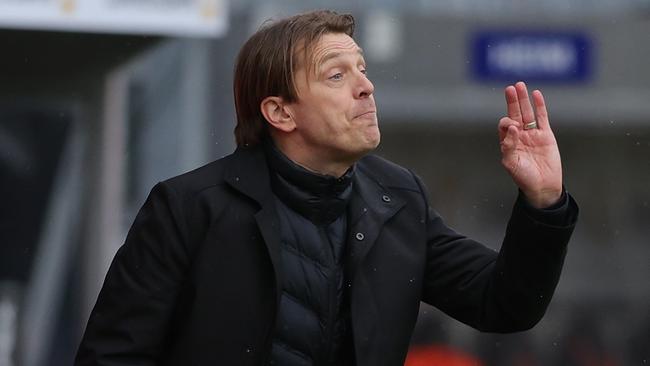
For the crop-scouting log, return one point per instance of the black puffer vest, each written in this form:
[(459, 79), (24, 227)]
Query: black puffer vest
[(313, 322)]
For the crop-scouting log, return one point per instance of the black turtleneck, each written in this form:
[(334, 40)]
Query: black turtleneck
[(320, 198)]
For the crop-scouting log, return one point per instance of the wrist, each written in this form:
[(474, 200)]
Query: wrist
[(543, 199)]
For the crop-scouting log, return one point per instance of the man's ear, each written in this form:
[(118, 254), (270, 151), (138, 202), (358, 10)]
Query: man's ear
[(276, 114)]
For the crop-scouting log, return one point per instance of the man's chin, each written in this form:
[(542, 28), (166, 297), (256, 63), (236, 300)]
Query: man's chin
[(374, 138), (370, 144)]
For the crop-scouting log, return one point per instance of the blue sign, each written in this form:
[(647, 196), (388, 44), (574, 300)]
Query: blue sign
[(509, 56)]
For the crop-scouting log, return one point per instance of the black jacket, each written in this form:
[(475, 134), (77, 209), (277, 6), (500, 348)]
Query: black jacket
[(195, 283)]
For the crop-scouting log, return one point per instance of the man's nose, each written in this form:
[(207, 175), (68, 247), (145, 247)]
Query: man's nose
[(364, 87)]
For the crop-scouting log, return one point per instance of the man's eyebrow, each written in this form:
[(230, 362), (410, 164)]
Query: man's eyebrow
[(335, 55)]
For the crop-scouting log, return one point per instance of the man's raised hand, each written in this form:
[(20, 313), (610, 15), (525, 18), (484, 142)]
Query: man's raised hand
[(530, 155)]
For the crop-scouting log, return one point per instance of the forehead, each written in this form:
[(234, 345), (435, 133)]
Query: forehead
[(329, 46), (332, 45)]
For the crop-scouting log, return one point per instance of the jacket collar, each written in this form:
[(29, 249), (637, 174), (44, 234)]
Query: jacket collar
[(248, 173)]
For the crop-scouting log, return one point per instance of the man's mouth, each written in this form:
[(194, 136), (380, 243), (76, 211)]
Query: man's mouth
[(366, 114)]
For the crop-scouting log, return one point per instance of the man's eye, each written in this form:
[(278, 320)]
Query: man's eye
[(364, 71), (337, 76)]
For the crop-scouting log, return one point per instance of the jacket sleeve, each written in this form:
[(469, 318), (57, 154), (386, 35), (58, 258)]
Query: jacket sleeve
[(130, 320), (499, 292)]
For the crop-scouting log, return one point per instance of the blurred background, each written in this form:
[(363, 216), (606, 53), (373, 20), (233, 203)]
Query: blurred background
[(101, 99)]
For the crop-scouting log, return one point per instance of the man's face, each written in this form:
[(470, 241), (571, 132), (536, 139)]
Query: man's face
[(335, 113)]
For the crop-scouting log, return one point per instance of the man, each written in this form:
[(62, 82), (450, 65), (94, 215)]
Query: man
[(301, 249)]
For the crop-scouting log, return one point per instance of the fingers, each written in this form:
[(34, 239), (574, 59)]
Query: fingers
[(521, 110), (509, 157), (504, 124), (541, 115), (512, 103), (524, 103), (510, 139), (518, 104)]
